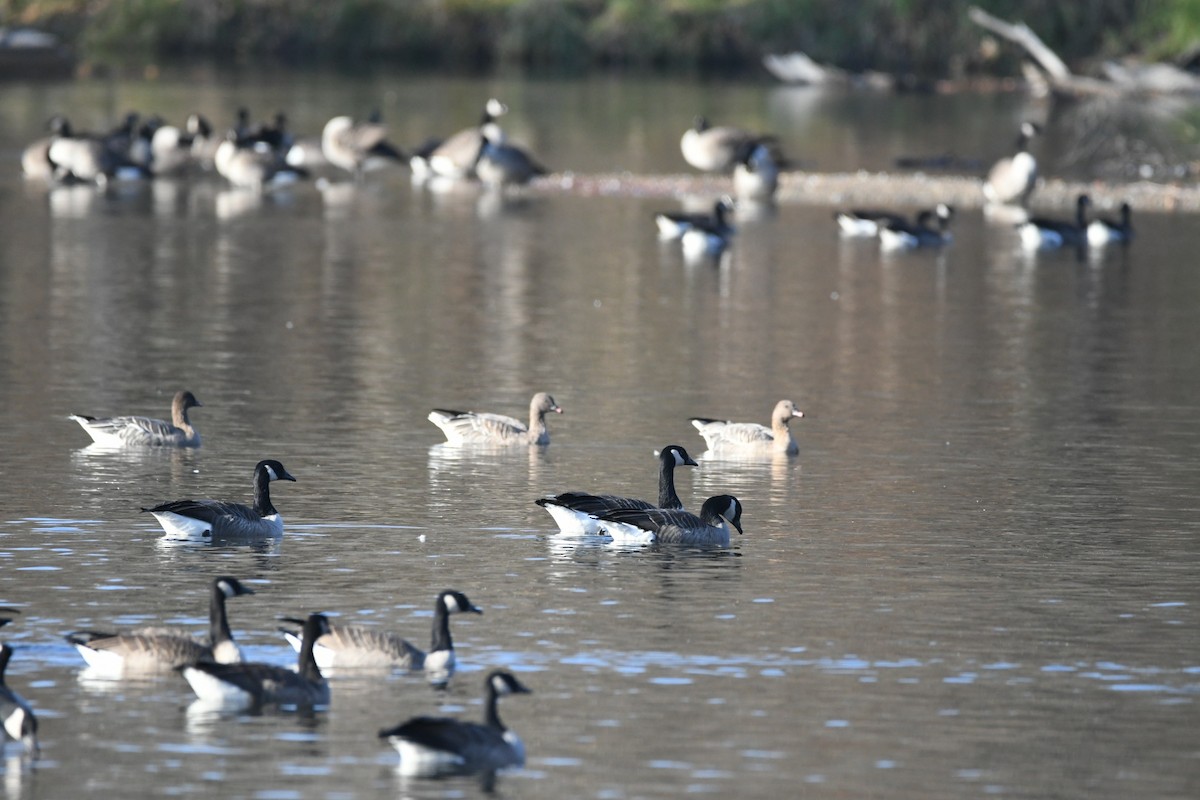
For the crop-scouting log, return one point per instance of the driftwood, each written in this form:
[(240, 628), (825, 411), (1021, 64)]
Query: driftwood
[(1154, 78), (799, 68)]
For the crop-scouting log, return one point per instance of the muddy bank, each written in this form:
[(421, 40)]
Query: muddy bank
[(882, 189)]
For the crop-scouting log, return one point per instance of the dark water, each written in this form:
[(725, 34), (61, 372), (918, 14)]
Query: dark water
[(978, 577)]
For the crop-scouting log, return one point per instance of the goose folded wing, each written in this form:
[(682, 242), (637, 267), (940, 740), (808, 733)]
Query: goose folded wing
[(211, 511), (442, 733), (358, 638)]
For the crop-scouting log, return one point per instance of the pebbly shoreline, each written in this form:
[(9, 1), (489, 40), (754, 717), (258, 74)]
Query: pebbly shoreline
[(882, 189)]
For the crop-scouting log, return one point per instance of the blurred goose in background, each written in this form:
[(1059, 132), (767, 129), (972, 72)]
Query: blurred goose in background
[(358, 147), (643, 526), (248, 165), (145, 431), (756, 172), (718, 149), (1011, 180), (722, 434), (706, 240), (455, 156), (204, 143), (253, 684), (930, 230), (20, 723), (576, 512), (430, 746), (866, 223), (475, 427), (502, 164), (357, 646), (1043, 233), (170, 150), (154, 649), (674, 224), (1102, 231), (206, 520)]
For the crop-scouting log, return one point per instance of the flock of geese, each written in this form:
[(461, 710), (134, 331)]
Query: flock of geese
[(214, 668), (264, 156)]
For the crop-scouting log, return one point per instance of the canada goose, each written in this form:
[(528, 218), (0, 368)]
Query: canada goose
[(1042, 233), (170, 150), (502, 164), (455, 156), (722, 434), (253, 684), (35, 158), (674, 224), (756, 172), (20, 723), (204, 143), (362, 647), (931, 229), (474, 427), (717, 515), (205, 520), (866, 223), (706, 239), (154, 649), (90, 159), (430, 746), (1102, 231), (248, 166), (357, 147), (717, 149), (1011, 180), (575, 512), (145, 431)]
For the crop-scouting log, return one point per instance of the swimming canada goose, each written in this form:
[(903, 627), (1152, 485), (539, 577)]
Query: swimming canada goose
[(357, 147), (455, 156), (674, 224), (145, 431), (930, 230), (1011, 180), (706, 239), (363, 647), (248, 165), (1102, 231), (722, 434), (866, 223), (711, 526), (170, 150), (253, 684), (1043, 233), (474, 427), (204, 143), (430, 746), (717, 149), (20, 723), (155, 649), (502, 164), (756, 172), (575, 512), (205, 520), (35, 158)]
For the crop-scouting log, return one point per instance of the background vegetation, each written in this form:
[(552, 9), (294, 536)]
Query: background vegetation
[(924, 37)]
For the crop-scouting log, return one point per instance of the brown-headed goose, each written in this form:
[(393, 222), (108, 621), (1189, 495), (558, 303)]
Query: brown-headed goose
[(717, 149), (1012, 179), (150, 650), (726, 435), (357, 646), (206, 520), (358, 146), (145, 431), (643, 526), (476, 427), (576, 512), (254, 684), (430, 746), (20, 723)]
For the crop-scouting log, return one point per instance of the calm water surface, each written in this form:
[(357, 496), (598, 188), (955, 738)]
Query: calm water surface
[(978, 578)]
